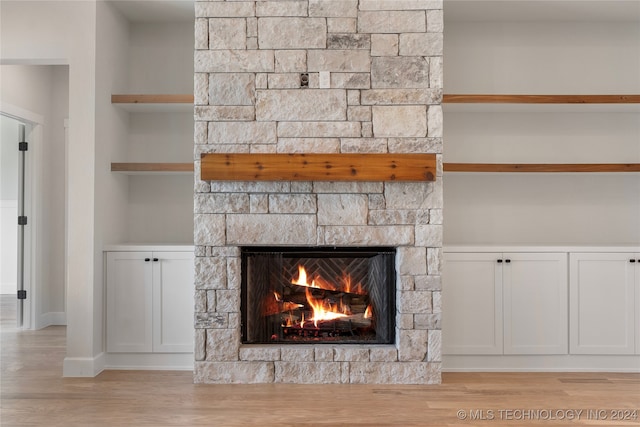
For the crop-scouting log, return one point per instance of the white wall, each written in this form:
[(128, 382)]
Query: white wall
[(542, 58), (44, 90), (536, 57), (111, 135), (160, 206), (63, 32), (159, 57)]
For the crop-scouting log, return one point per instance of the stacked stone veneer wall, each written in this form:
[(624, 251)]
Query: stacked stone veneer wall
[(383, 94)]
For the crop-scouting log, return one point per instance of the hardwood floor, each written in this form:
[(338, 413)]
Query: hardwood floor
[(33, 393)]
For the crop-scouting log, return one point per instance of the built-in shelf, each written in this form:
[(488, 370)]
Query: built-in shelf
[(486, 103), (154, 103), (541, 167), (513, 103), (152, 99), (539, 99), (147, 168), (527, 11)]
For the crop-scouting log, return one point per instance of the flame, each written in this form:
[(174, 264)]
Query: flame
[(324, 309), (367, 313), (302, 277), (317, 282), (277, 296), (321, 310), (349, 288)]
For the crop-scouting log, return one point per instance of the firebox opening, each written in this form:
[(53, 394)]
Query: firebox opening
[(318, 295)]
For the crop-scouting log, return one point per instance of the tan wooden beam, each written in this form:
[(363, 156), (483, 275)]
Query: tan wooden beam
[(318, 167)]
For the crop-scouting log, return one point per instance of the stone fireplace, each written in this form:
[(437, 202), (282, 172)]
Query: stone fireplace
[(318, 76)]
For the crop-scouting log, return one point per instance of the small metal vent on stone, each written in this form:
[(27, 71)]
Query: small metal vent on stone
[(318, 295)]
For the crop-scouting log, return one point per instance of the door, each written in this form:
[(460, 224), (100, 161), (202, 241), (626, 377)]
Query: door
[(173, 304), (129, 299), (535, 303), (14, 225), (637, 291), (472, 303), (602, 303)]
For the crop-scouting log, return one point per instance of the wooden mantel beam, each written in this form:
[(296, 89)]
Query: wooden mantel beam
[(318, 167)]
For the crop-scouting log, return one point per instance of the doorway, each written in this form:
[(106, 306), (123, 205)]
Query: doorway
[(38, 97)]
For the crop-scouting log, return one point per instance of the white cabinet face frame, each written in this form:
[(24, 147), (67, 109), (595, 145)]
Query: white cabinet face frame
[(173, 290), (637, 290), (604, 303), (535, 303), (474, 285), (129, 302)]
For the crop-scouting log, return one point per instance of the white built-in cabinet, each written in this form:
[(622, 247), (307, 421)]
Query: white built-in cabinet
[(144, 83), (541, 308), (149, 301), (505, 303), (541, 157), (605, 303)]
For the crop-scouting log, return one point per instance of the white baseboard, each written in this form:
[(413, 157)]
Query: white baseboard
[(53, 318), (150, 361), (83, 366), (541, 363)]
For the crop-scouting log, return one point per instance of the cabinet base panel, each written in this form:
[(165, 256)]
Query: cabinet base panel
[(149, 361), (547, 363)]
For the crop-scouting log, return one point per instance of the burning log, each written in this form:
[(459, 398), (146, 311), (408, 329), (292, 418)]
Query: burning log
[(319, 283), (336, 293), (347, 322), (340, 329), (276, 305)]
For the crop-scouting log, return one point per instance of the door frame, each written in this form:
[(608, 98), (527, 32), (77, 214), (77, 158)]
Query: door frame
[(33, 189)]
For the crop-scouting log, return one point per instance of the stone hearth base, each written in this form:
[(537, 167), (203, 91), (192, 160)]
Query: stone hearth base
[(318, 365)]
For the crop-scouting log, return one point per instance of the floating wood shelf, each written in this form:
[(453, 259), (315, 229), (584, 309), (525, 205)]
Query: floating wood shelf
[(180, 103), (152, 167), (539, 99), (318, 167), (541, 167), (152, 99)]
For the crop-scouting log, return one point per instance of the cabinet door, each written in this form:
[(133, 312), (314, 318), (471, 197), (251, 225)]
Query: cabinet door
[(472, 303), (129, 322), (535, 303), (637, 291), (173, 291), (602, 304)]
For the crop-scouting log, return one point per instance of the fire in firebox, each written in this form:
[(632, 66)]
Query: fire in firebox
[(344, 296)]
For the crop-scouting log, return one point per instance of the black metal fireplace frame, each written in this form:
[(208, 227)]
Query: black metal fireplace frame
[(385, 329)]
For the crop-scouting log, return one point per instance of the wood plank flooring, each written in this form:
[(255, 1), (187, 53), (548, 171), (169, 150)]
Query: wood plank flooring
[(33, 393)]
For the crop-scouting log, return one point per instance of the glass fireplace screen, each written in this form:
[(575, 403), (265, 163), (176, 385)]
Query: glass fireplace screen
[(318, 295)]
